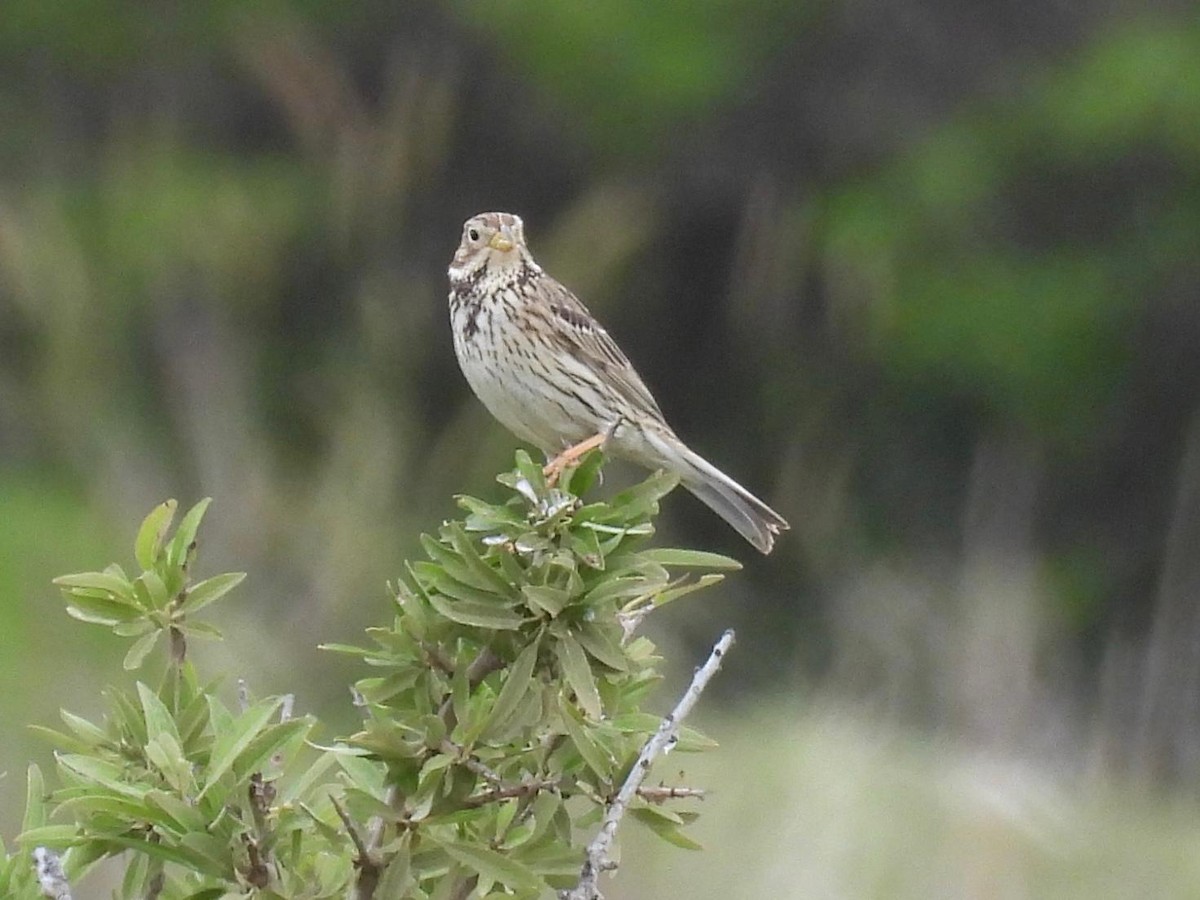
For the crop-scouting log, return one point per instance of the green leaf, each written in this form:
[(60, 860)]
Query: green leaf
[(90, 770), (578, 672), (596, 758), (683, 588), (544, 598), (437, 578), (232, 741), (481, 615), (140, 650), (397, 878), (106, 583), (487, 516), (125, 714), (181, 855), (585, 543), (545, 805), (135, 812), (35, 799), (49, 835), (531, 472), (293, 788), (134, 628), (185, 534), (150, 536), (698, 559), (268, 742), (640, 500), (488, 577), (151, 590), (517, 681), (600, 644), (455, 568), (157, 717), (101, 611), (62, 741), (210, 590), (492, 865), (578, 479), (621, 589), (213, 850), (184, 817), (201, 630), (665, 824)]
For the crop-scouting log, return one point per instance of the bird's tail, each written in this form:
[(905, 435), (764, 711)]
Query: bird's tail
[(749, 516)]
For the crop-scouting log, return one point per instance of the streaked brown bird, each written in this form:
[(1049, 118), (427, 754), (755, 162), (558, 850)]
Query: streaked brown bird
[(551, 374)]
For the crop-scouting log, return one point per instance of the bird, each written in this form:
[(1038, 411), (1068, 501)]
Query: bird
[(550, 373)]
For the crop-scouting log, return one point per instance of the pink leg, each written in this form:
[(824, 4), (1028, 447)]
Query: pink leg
[(571, 455)]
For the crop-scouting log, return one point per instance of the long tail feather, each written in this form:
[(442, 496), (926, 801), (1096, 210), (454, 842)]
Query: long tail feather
[(749, 516)]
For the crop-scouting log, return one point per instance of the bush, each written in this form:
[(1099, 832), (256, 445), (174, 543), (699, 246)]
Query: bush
[(502, 720)]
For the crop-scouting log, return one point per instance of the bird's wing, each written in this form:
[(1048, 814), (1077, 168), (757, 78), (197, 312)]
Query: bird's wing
[(586, 338)]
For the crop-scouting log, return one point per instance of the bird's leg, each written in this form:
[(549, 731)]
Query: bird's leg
[(571, 455)]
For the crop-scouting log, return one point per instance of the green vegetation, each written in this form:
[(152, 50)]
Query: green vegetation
[(507, 712)]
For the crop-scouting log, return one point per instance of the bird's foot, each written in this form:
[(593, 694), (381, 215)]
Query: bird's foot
[(554, 468)]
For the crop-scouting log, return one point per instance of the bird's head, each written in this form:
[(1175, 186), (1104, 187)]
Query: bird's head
[(494, 241)]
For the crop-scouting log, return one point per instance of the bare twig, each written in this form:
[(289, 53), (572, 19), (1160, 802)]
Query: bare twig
[(51, 880), (369, 868), (436, 659), (483, 665), (516, 789), (662, 792), (469, 762), (597, 859)]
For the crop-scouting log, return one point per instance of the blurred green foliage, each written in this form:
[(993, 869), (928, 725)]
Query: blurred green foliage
[(962, 302), (883, 264), (627, 74)]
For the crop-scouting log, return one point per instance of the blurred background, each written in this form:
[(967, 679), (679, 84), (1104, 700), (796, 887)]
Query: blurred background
[(925, 276)]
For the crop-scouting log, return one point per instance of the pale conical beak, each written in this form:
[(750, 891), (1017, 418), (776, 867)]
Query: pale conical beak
[(501, 240)]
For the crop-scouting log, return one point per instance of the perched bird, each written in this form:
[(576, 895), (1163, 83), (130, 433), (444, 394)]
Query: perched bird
[(551, 374)]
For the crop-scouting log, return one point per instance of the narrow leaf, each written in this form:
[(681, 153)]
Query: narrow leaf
[(481, 615), (140, 650), (158, 718), (604, 646), (682, 589), (107, 583), (544, 598), (35, 799), (232, 741), (210, 590), (149, 542), (492, 865), (517, 682), (578, 672), (664, 825), (593, 754), (488, 576), (185, 534), (698, 559)]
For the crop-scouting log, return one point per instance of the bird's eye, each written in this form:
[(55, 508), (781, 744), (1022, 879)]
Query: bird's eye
[(473, 234)]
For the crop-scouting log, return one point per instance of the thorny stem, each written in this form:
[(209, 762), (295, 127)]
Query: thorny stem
[(368, 866), (596, 858)]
